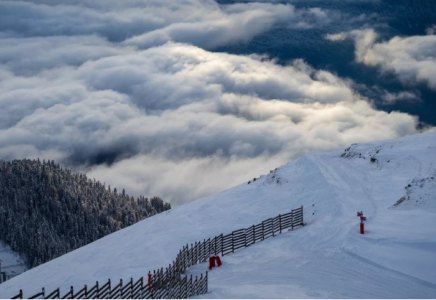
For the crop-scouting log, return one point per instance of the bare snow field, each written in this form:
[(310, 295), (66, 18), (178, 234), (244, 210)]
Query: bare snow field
[(392, 182)]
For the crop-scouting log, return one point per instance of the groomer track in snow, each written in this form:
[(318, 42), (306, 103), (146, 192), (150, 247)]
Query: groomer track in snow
[(392, 182)]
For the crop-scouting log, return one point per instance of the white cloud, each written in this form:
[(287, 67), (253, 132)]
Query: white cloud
[(431, 30), (151, 23), (30, 56), (335, 37), (412, 59), (390, 98), (224, 25), (188, 119), (169, 118)]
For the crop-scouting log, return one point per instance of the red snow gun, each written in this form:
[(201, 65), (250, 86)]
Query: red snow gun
[(362, 224), (213, 260)]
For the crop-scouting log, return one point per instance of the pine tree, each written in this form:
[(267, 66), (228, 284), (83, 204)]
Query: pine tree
[(47, 211)]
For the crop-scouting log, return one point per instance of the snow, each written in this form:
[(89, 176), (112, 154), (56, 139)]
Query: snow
[(327, 258), (11, 263)]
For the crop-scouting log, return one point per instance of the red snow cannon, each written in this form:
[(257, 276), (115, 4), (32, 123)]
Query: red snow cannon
[(362, 224), (213, 260)]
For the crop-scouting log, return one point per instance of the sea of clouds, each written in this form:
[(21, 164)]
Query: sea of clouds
[(132, 93)]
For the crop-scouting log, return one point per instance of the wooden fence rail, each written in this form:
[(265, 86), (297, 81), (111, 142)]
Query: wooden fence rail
[(170, 283)]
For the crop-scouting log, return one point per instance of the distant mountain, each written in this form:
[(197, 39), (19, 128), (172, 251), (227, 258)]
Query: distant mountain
[(47, 211)]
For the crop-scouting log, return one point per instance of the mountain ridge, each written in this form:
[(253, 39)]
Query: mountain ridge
[(314, 261)]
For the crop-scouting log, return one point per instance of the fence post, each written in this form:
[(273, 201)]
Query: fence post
[(190, 287), (222, 244), (272, 223), (192, 254), (206, 252), (199, 252), (97, 290), (209, 253), (233, 244), (86, 292), (263, 232), (142, 287), (72, 292), (207, 282), (131, 287), (200, 285), (203, 251), (210, 246), (196, 253), (292, 219), (187, 287), (175, 270), (182, 260), (187, 256), (302, 219), (178, 262), (280, 222), (110, 289), (121, 288), (43, 292)]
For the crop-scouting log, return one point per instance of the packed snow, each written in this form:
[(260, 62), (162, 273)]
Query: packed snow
[(392, 182)]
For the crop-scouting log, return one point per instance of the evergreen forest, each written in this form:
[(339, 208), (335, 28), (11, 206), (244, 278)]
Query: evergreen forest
[(47, 211)]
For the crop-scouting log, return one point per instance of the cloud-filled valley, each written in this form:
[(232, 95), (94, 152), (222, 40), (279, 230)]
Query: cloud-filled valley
[(133, 93)]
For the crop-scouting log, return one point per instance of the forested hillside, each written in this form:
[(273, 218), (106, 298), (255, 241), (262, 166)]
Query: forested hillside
[(47, 211)]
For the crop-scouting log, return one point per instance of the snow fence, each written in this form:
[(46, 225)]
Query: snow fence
[(172, 283)]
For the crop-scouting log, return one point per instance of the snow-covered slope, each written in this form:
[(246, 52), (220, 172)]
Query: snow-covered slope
[(11, 263), (327, 258)]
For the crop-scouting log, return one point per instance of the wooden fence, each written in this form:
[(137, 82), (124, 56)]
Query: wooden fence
[(170, 283), (182, 289), (199, 252)]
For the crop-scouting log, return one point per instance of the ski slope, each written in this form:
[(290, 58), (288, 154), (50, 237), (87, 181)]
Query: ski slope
[(393, 182)]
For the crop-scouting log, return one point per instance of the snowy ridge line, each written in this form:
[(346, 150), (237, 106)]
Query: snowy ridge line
[(168, 284)]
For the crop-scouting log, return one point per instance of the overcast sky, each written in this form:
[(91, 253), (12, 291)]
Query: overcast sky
[(132, 93)]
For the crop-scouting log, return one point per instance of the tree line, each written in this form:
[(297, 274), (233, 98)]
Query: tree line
[(47, 211)]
